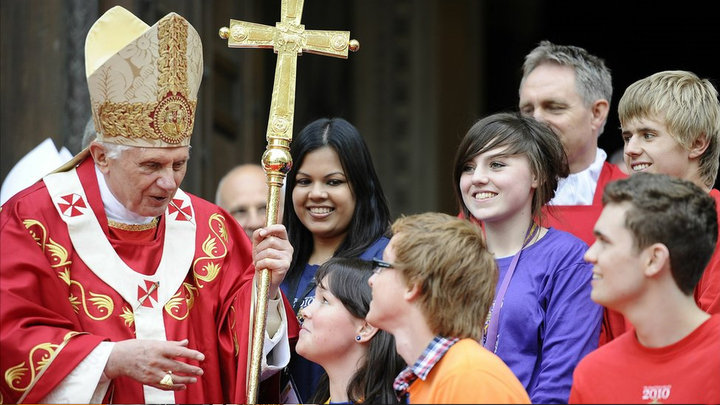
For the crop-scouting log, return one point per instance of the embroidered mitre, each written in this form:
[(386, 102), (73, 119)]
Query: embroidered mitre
[(143, 80)]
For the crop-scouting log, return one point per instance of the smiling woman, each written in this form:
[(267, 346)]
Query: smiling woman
[(334, 206), (506, 169)]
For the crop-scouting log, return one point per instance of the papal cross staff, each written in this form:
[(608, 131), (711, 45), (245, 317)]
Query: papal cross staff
[(288, 38)]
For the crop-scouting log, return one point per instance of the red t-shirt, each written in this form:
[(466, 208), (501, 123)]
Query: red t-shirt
[(625, 372)]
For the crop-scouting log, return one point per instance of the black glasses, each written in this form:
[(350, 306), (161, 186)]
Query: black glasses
[(379, 265)]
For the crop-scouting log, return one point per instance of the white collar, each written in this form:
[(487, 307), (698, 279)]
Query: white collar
[(579, 188), (114, 210)]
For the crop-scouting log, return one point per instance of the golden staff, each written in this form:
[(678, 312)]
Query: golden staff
[(288, 38)]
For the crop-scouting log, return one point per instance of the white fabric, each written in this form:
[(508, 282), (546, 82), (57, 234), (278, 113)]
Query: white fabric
[(86, 384), (276, 349), (40, 161), (579, 188)]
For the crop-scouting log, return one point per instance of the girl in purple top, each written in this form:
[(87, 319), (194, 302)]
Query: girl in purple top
[(542, 321)]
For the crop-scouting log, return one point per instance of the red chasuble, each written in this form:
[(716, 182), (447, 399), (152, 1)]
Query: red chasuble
[(63, 294)]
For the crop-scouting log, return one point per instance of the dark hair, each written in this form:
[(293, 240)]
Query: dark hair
[(671, 211), (522, 136), (371, 218), (372, 383)]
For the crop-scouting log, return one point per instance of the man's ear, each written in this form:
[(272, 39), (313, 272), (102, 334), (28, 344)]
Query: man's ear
[(657, 258), (366, 332), (99, 155), (699, 146), (600, 110)]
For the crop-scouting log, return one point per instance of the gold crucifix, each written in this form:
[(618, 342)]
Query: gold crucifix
[(288, 38)]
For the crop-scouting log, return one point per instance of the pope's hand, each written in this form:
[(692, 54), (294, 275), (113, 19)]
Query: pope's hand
[(272, 251), (151, 362)]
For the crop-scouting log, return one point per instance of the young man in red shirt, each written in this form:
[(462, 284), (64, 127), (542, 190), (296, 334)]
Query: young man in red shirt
[(654, 238)]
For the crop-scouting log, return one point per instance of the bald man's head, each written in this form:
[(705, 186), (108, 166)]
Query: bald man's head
[(243, 193)]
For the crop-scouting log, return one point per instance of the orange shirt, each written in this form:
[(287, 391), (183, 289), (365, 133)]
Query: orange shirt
[(468, 374)]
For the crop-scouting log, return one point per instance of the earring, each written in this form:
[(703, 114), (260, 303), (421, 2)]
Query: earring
[(358, 338)]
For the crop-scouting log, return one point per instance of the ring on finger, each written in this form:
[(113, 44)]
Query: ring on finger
[(167, 380)]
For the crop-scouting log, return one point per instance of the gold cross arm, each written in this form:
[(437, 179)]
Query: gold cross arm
[(289, 38)]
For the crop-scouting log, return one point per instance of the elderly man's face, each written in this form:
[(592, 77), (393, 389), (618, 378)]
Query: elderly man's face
[(145, 180)]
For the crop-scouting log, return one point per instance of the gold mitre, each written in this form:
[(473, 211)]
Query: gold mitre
[(143, 80)]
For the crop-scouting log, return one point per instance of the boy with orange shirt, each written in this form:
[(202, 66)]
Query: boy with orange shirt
[(432, 291)]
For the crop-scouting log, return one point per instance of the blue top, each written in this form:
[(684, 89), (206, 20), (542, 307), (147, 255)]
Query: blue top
[(548, 322), (306, 374)]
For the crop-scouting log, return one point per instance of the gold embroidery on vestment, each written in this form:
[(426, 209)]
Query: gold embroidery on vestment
[(128, 316), (58, 254), (102, 302), (132, 227), (206, 268), (37, 359), (17, 372), (174, 306), (58, 257), (236, 344)]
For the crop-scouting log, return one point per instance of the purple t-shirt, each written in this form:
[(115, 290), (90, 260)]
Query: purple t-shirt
[(548, 322)]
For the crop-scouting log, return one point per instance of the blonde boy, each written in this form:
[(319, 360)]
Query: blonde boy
[(671, 125)]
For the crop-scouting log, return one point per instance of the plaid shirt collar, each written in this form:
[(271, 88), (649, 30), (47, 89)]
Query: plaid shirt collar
[(432, 354)]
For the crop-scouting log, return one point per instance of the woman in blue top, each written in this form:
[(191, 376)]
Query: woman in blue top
[(334, 206), (542, 321)]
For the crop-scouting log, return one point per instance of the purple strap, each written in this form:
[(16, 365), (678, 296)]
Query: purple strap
[(492, 331)]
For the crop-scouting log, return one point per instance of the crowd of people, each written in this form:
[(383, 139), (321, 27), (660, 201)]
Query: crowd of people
[(561, 278)]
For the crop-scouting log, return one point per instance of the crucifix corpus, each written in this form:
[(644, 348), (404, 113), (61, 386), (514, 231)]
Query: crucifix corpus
[(288, 38)]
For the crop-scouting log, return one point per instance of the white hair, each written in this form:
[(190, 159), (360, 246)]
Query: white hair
[(113, 150)]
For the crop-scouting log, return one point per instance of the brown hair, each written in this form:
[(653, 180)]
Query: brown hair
[(674, 212), (448, 259), (522, 136)]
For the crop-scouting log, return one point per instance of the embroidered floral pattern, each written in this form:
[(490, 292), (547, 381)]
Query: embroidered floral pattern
[(58, 257), (181, 303), (206, 268)]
